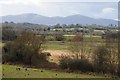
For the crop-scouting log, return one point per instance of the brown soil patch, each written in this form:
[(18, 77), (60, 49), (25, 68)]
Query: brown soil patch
[(55, 54)]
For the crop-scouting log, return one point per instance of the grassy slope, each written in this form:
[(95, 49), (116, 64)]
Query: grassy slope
[(11, 72)]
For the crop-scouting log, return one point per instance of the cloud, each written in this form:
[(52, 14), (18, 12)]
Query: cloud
[(108, 13), (56, 8), (108, 10), (117, 19), (7, 2), (37, 1)]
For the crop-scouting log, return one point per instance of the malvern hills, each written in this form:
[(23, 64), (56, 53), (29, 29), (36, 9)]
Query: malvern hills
[(72, 19)]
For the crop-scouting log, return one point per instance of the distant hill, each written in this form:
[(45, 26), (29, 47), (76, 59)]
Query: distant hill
[(73, 19)]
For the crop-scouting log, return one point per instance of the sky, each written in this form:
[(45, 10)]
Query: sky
[(107, 9)]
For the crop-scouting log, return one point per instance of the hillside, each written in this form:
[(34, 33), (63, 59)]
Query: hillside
[(72, 19)]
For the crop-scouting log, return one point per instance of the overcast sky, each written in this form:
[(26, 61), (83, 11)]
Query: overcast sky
[(103, 9)]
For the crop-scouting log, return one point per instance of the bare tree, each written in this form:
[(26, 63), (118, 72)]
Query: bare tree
[(76, 46)]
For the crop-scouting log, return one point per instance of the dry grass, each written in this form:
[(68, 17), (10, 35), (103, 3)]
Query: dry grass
[(55, 54)]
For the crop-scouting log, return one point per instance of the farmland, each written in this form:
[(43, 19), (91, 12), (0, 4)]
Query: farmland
[(75, 49)]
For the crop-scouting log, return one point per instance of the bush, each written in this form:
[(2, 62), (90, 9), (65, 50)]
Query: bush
[(77, 38), (38, 59), (50, 38), (75, 64), (64, 60), (101, 59), (8, 33), (59, 38), (8, 54), (82, 65), (25, 49), (76, 46)]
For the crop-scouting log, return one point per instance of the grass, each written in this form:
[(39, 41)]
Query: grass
[(66, 35), (92, 36), (10, 71), (56, 45), (1, 44)]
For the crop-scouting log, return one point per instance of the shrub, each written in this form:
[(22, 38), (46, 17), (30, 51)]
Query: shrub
[(101, 59), (27, 49), (75, 64), (64, 60), (59, 38), (80, 64), (51, 38), (77, 38), (38, 59), (76, 46), (8, 33), (8, 54)]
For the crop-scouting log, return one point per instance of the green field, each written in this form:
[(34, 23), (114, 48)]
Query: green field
[(10, 71), (59, 45), (56, 45)]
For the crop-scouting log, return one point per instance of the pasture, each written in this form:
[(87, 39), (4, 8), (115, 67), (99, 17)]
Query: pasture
[(10, 71), (56, 45), (56, 48), (1, 44)]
